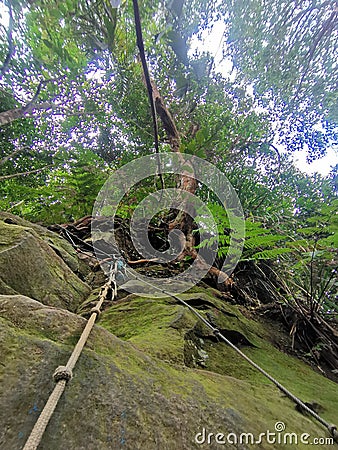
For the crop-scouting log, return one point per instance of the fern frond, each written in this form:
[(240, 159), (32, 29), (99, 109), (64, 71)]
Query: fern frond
[(270, 254), (309, 230), (267, 240), (330, 241)]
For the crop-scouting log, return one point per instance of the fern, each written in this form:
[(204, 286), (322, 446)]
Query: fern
[(260, 242), (265, 240), (297, 243), (273, 253), (312, 241), (309, 231), (254, 228)]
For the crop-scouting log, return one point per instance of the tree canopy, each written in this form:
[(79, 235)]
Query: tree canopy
[(287, 51), (74, 108)]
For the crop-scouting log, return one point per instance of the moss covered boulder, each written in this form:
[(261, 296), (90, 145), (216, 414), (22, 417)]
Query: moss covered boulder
[(151, 375), (39, 264), (146, 391)]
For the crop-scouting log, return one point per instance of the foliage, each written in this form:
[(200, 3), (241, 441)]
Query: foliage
[(78, 63), (64, 195), (260, 242), (287, 52), (314, 272), (305, 254)]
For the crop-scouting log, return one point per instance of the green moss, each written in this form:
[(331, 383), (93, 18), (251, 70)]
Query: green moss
[(10, 234), (151, 324), (159, 327), (116, 384), (30, 267)]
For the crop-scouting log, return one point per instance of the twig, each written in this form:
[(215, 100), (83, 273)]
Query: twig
[(15, 205), (319, 302), (311, 299)]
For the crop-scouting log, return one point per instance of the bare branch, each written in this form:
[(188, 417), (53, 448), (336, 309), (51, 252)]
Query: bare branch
[(6, 158), (21, 174), (18, 113), (15, 205)]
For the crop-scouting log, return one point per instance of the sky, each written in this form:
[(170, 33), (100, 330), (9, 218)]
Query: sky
[(213, 42)]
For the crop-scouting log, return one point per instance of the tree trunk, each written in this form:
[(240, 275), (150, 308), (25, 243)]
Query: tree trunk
[(187, 182)]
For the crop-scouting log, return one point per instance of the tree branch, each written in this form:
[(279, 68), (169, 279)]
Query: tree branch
[(328, 27), (6, 158), (166, 119), (31, 103), (21, 174), (18, 113)]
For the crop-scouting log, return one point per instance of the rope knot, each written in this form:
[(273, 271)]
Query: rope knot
[(62, 373), (333, 431), (96, 310)]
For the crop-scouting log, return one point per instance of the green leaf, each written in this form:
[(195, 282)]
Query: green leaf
[(270, 254)]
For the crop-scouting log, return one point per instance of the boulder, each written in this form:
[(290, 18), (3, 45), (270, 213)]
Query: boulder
[(151, 375), (39, 264)]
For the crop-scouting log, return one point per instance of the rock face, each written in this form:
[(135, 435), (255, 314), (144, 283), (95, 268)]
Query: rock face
[(39, 264), (150, 377)]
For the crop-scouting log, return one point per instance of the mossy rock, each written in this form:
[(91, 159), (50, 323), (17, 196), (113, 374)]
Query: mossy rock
[(32, 267), (151, 375), (61, 247), (122, 398), (166, 330)]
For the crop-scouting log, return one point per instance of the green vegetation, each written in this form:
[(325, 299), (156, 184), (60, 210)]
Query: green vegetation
[(169, 339), (113, 375), (73, 108)]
